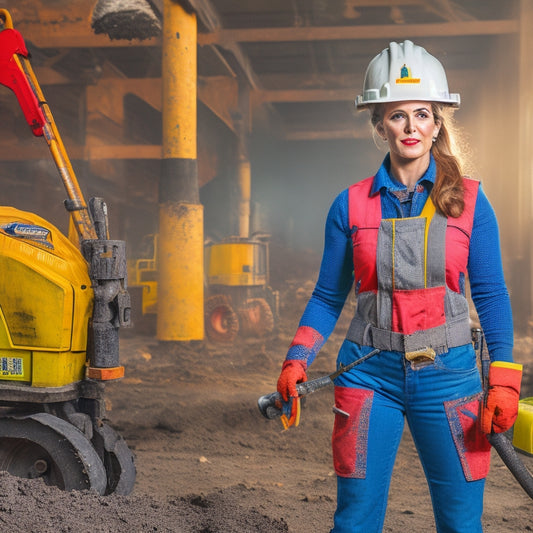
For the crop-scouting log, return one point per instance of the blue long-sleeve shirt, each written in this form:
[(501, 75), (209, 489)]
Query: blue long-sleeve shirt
[(485, 272)]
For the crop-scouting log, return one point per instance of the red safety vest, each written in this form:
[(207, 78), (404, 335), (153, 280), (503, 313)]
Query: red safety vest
[(410, 283)]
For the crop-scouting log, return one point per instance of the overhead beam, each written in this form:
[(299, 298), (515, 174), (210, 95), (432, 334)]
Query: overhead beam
[(77, 152), (73, 38), (303, 95), (84, 39), (218, 93), (357, 32), (53, 28), (326, 135), (383, 3)]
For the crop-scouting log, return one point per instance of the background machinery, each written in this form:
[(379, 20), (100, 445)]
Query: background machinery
[(62, 301), (238, 297)]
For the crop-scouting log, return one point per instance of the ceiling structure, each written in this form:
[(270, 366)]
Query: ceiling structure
[(300, 62), (304, 60)]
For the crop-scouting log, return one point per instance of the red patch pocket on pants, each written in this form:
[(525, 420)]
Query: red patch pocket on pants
[(471, 444), (350, 431), (418, 309)]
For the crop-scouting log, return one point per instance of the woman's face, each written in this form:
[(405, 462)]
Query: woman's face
[(409, 128)]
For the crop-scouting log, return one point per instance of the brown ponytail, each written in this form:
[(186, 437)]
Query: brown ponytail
[(448, 191)]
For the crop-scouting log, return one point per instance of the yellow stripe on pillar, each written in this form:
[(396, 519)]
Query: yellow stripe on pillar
[(180, 311)]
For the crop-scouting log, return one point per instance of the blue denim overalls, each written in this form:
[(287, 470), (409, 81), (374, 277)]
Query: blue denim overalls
[(426, 373)]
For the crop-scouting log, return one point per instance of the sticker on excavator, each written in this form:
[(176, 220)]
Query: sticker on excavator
[(11, 366), (29, 232)]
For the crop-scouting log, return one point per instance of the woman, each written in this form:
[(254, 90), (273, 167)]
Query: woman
[(408, 238)]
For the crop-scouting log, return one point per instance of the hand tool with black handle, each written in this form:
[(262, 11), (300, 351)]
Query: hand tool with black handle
[(270, 405)]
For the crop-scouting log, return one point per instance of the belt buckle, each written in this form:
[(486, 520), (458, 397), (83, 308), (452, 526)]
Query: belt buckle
[(421, 357)]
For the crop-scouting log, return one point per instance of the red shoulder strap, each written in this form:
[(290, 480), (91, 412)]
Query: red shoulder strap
[(466, 220), (363, 210)]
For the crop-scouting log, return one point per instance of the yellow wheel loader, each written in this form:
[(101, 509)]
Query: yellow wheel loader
[(62, 301), (238, 298)]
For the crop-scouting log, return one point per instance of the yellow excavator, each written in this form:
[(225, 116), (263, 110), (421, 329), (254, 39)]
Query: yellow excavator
[(62, 301)]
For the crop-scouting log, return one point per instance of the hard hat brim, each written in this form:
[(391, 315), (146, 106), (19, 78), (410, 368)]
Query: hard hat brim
[(454, 101)]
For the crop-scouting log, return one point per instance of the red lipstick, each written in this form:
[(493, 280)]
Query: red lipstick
[(410, 141)]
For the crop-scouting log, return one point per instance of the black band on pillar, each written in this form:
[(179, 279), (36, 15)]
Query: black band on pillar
[(179, 181)]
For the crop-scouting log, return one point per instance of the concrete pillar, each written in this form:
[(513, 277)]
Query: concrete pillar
[(180, 312)]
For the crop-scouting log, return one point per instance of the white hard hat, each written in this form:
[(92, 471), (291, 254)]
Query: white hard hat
[(405, 71)]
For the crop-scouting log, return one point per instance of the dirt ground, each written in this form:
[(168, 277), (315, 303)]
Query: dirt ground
[(208, 462)]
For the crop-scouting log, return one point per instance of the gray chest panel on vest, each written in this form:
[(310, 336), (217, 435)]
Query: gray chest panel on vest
[(401, 261), (404, 262)]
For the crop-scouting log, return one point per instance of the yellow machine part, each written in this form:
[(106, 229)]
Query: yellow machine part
[(149, 301), (46, 301), (236, 264), (142, 272), (523, 427)]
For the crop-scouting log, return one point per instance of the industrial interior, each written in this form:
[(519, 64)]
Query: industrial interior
[(273, 85), (218, 132)]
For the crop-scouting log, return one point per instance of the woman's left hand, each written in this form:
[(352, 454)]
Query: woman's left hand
[(500, 409)]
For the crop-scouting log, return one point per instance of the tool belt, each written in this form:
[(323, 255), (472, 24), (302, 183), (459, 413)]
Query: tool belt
[(437, 340)]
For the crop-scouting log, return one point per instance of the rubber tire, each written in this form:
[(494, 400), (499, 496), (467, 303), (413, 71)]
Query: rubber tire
[(71, 460), (257, 317), (118, 460), (221, 321)]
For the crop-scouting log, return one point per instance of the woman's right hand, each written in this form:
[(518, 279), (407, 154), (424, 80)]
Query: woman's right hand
[(292, 372)]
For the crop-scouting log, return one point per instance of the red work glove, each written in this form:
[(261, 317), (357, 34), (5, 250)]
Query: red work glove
[(292, 372), (500, 409)]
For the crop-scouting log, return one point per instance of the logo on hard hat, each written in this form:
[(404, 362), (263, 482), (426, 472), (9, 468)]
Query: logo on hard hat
[(405, 76)]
